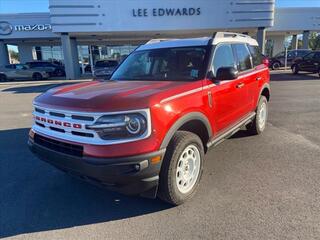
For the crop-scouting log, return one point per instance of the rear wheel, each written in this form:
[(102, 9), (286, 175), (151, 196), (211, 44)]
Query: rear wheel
[(295, 69), (259, 122), (3, 78), (37, 76), (182, 168)]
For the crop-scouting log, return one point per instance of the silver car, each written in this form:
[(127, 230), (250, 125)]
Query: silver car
[(105, 68), (21, 71)]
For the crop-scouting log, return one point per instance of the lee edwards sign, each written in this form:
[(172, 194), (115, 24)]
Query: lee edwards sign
[(165, 12), (7, 28)]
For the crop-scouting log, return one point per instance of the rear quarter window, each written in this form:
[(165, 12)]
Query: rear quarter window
[(256, 55)]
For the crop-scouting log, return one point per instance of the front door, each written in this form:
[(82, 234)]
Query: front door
[(229, 97), (21, 71)]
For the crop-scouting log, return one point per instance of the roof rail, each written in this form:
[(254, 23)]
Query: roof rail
[(229, 34), (157, 40), (218, 37)]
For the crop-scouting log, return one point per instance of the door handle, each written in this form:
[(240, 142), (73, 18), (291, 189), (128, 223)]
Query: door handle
[(258, 78), (240, 85)]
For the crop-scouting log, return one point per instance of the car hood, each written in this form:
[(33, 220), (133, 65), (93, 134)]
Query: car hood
[(103, 96)]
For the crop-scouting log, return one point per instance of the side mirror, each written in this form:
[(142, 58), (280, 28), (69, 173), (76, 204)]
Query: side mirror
[(227, 73)]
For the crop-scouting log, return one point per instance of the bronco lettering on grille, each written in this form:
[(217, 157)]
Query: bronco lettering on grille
[(58, 123)]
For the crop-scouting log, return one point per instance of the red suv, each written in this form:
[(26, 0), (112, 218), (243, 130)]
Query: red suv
[(146, 130)]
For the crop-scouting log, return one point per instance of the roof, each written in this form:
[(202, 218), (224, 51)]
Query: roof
[(217, 38), (169, 43), (221, 37)]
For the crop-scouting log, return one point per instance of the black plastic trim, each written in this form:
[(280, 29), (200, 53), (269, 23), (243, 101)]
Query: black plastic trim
[(184, 119)]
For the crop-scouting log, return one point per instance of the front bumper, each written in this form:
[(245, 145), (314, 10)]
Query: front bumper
[(134, 175)]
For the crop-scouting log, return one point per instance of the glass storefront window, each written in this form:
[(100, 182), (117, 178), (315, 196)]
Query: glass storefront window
[(111, 52), (49, 53)]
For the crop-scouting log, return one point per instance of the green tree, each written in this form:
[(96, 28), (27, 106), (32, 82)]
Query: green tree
[(14, 55), (314, 41)]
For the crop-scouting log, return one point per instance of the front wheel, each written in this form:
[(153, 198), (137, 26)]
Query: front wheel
[(259, 122), (3, 78), (181, 168)]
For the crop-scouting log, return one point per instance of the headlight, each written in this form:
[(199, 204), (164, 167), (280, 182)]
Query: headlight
[(120, 126)]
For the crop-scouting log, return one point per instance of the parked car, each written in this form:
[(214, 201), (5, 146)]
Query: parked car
[(53, 69), (87, 68), (104, 68), (21, 71), (146, 130), (309, 63), (279, 60)]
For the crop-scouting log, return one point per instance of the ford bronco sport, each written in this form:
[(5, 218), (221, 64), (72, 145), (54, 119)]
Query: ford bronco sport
[(146, 130)]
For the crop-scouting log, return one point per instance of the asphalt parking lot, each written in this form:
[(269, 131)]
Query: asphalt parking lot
[(253, 187)]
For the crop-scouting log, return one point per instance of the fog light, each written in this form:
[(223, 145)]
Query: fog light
[(137, 167)]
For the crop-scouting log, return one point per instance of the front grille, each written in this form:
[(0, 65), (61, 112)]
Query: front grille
[(62, 147), (84, 118), (57, 114), (71, 125)]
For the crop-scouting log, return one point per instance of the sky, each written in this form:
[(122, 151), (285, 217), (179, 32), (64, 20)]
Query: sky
[(19, 6)]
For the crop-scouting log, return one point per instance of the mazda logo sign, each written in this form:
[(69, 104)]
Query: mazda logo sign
[(5, 28)]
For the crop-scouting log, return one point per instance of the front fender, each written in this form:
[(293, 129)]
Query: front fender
[(181, 121)]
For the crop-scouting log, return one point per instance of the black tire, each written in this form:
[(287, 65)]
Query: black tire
[(168, 189), (37, 76), (276, 65), (295, 69), (254, 127), (3, 78)]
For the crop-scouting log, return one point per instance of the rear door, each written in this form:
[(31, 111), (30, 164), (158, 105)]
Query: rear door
[(307, 63), (247, 77), (258, 77), (227, 96)]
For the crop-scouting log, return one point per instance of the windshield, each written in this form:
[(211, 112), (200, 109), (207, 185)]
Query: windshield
[(167, 64)]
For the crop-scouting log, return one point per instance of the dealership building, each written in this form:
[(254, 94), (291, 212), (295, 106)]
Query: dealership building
[(81, 32)]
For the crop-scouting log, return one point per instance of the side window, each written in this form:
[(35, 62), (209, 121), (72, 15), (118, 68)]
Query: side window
[(243, 57), (223, 57), (291, 54), (302, 53), (10, 66), (309, 56), (19, 67), (256, 55), (317, 56)]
